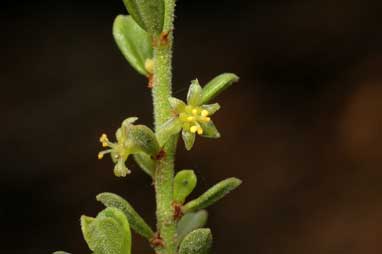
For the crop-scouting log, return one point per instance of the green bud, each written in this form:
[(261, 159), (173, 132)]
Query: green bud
[(218, 85), (184, 183), (214, 194), (191, 221), (145, 163), (149, 14), (134, 43), (142, 139), (108, 233), (197, 242), (137, 223)]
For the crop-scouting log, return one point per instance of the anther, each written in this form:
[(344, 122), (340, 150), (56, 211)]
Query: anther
[(190, 118), (104, 140), (194, 129), (100, 155), (194, 111), (204, 113), (206, 119), (200, 131)]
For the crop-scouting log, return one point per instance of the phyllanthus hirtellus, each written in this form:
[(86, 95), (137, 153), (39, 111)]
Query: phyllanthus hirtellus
[(145, 38)]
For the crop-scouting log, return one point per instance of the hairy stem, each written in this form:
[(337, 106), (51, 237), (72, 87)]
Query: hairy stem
[(164, 172)]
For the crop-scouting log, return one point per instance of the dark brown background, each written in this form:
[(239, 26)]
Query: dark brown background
[(302, 129)]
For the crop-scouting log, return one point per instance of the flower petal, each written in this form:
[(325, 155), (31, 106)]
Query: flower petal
[(188, 138), (171, 127), (194, 96), (120, 169), (209, 130), (176, 104)]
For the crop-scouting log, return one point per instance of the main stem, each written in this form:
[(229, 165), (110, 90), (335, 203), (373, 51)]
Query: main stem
[(164, 172)]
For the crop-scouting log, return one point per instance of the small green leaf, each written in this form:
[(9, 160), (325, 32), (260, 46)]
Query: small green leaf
[(142, 139), (60, 252), (134, 43), (169, 128), (194, 95), (149, 14), (198, 241), (189, 139), (212, 195), (137, 223), (191, 221), (218, 85), (184, 183), (145, 163), (108, 233)]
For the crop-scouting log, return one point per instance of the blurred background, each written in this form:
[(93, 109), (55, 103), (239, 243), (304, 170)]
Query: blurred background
[(303, 128)]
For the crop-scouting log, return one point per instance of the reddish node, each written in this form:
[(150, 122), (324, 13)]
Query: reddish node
[(157, 241), (178, 214)]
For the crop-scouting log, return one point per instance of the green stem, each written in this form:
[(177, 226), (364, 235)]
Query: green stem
[(164, 172)]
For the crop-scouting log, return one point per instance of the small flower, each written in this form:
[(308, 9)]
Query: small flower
[(192, 118), (119, 151), (131, 139)]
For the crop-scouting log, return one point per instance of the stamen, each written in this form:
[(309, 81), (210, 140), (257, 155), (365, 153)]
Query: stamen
[(194, 111), (204, 113), (190, 118), (194, 129), (200, 130), (205, 119), (101, 154), (104, 140)]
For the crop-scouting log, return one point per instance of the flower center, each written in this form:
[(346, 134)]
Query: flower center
[(192, 117)]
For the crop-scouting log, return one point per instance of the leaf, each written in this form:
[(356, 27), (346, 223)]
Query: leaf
[(212, 195), (142, 139), (149, 14), (108, 233), (190, 222), (137, 223), (184, 183), (198, 241), (218, 85), (134, 43), (145, 163)]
